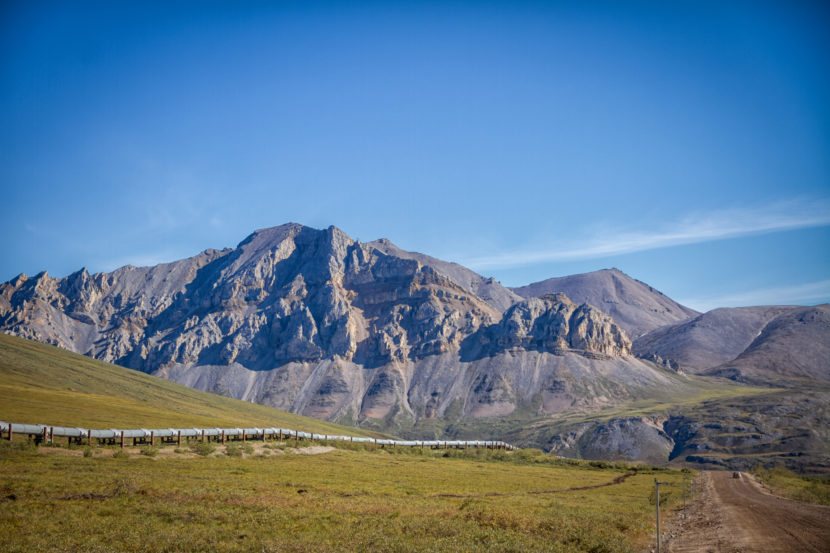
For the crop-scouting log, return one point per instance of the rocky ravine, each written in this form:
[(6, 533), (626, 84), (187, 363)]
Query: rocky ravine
[(316, 323)]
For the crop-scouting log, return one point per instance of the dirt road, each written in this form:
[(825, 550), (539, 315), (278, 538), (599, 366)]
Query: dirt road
[(737, 515)]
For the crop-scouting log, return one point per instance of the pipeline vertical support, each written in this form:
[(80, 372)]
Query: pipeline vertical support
[(223, 437), (179, 440), (122, 439)]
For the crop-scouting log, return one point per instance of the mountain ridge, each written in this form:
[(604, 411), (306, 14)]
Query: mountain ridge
[(317, 323)]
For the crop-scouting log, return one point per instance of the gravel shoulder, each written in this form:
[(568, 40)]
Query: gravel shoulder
[(733, 515)]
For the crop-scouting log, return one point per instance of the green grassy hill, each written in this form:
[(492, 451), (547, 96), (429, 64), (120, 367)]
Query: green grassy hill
[(42, 384)]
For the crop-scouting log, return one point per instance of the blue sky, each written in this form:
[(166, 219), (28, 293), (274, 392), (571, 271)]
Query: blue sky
[(686, 143)]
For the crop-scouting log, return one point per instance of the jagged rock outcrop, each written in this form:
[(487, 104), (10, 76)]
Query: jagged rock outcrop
[(555, 324)]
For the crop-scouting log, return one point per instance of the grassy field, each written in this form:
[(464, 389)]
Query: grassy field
[(272, 496), (796, 486), (270, 499), (42, 384)]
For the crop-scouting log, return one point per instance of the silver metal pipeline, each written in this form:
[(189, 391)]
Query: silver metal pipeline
[(48, 433)]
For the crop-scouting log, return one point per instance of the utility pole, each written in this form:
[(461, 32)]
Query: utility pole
[(657, 494)]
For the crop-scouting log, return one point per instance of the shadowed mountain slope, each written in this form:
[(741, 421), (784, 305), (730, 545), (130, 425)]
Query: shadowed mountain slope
[(793, 346), (634, 305), (710, 339)]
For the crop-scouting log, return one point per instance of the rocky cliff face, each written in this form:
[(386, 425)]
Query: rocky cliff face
[(555, 324), (314, 322)]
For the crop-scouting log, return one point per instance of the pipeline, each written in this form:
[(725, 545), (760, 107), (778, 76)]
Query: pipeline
[(47, 434)]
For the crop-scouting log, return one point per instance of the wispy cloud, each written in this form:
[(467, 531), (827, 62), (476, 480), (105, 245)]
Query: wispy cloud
[(801, 294), (692, 228)]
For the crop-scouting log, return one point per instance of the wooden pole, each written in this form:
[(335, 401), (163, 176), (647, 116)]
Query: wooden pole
[(179, 441), (122, 439), (223, 437), (152, 439), (89, 437), (657, 497), (657, 503)]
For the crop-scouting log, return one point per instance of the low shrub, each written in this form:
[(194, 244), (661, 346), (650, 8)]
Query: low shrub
[(203, 448), (149, 451)]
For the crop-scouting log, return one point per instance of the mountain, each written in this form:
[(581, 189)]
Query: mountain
[(710, 339), (366, 334), (762, 345), (634, 305), (313, 322), (793, 346)]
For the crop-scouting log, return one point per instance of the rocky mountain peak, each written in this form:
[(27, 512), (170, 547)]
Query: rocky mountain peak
[(634, 305)]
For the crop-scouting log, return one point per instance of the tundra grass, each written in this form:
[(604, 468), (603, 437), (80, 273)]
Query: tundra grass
[(362, 501), (809, 489), (42, 384), (523, 426)]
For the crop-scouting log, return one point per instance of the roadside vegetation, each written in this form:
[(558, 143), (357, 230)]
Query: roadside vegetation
[(810, 489), (269, 497)]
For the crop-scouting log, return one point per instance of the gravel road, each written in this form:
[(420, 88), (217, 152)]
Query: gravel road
[(733, 515)]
